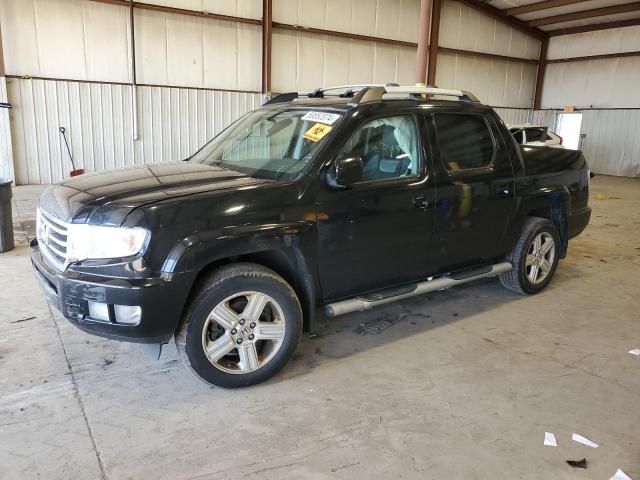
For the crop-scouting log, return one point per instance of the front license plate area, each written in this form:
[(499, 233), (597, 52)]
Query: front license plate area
[(49, 290)]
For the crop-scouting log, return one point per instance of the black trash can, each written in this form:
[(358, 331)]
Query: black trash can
[(6, 217)]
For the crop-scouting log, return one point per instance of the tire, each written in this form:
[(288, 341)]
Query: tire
[(242, 326), (524, 257)]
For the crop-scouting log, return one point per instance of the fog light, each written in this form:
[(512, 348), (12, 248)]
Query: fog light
[(127, 314), (99, 311)]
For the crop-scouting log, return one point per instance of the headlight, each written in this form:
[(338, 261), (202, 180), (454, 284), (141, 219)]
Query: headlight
[(92, 241)]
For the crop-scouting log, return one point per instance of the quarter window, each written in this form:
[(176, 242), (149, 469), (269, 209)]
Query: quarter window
[(388, 148), (536, 134), (465, 141)]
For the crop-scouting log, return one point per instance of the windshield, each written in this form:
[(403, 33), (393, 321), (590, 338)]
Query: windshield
[(269, 144)]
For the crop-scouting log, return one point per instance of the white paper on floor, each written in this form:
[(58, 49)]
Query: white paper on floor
[(620, 475), (550, 439), (635, 351), (585, 441)]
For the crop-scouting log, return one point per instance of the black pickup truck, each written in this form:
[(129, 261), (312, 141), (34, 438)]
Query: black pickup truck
[(343, 199)]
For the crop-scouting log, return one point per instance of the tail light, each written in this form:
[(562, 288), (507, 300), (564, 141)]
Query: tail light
[(561, 140)]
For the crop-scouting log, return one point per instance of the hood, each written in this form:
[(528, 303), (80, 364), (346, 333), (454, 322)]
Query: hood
[(107, 197)]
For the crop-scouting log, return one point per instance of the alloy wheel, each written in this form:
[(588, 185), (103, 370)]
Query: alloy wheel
[(243, 332), (540, 257)]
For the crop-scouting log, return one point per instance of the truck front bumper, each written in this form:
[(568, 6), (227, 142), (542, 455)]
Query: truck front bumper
[(160, 300)]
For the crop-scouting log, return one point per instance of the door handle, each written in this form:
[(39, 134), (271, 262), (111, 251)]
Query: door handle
[(421, 202)]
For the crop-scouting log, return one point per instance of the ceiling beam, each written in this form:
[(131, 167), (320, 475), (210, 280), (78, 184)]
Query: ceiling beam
[(535, 7), (180, 11), (491, 56), (501, 16), (581, 15), (594, 57), (335, 33), (594, 27)]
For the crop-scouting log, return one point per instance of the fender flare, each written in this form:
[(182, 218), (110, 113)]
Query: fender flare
[(553, 203), (287, 248)]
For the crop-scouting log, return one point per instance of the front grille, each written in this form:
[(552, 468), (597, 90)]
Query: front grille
[(52, 238)]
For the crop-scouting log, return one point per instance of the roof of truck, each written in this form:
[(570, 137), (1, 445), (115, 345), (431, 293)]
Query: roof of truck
[(345, 97)]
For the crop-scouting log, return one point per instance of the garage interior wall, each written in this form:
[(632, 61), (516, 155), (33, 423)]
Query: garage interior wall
[(604, 90), (68, 64)]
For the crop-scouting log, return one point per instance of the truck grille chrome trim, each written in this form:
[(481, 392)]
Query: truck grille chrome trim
[(52, 235)]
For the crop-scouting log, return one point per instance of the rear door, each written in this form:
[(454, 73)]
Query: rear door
[(475, 189)]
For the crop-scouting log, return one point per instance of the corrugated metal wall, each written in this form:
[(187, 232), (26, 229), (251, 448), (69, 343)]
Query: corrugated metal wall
[(394, 19), (515, 115), (174, 122), (603, 83), (304, 61), (6, 150), (612, 141), (597, 83), (496, 82), (465, 28), (85, 40)]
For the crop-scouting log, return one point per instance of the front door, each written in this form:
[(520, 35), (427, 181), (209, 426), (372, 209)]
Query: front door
[(376, 234), (475, 190)]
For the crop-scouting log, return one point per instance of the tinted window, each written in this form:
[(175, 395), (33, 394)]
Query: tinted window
[(517, 134), (388, 148), (536, 134), (465, 140)]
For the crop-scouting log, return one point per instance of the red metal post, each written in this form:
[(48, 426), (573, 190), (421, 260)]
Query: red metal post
[(423, 41), (267, 25), (436, 8)]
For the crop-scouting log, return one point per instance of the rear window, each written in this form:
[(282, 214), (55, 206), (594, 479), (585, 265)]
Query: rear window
[(465, 141)]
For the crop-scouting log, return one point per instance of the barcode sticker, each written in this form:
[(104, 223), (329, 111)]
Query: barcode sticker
[(322, 117)]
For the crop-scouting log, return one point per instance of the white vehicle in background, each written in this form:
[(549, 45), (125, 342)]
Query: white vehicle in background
[(539, 136)]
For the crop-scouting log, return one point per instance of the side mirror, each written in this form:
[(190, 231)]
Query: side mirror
[(345, 172)]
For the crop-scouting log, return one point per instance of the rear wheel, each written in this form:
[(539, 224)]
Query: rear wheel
[(534, 258), (241, 328)]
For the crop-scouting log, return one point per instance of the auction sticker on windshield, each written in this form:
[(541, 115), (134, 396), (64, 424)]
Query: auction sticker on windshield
[(322, 117), (316, 132)]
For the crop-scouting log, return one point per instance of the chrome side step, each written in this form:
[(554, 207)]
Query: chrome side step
[(441, 283)]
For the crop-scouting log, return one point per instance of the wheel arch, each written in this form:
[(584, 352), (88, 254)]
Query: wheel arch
[(556, 214), (551, 203), (288, 262)]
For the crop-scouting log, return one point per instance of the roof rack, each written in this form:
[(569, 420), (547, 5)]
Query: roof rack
[(376, 92)]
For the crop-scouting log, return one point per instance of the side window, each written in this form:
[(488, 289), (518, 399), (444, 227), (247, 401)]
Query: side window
[(388, 148), (465, 140), (536, 134)]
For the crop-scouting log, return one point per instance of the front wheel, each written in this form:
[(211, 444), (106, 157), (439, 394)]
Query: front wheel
[(534, 258), (243, 325)]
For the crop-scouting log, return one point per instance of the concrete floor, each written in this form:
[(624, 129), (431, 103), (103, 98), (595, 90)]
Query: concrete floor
[(463, 386)]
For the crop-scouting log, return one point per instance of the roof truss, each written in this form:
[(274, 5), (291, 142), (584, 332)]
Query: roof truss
[(531, 26)]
